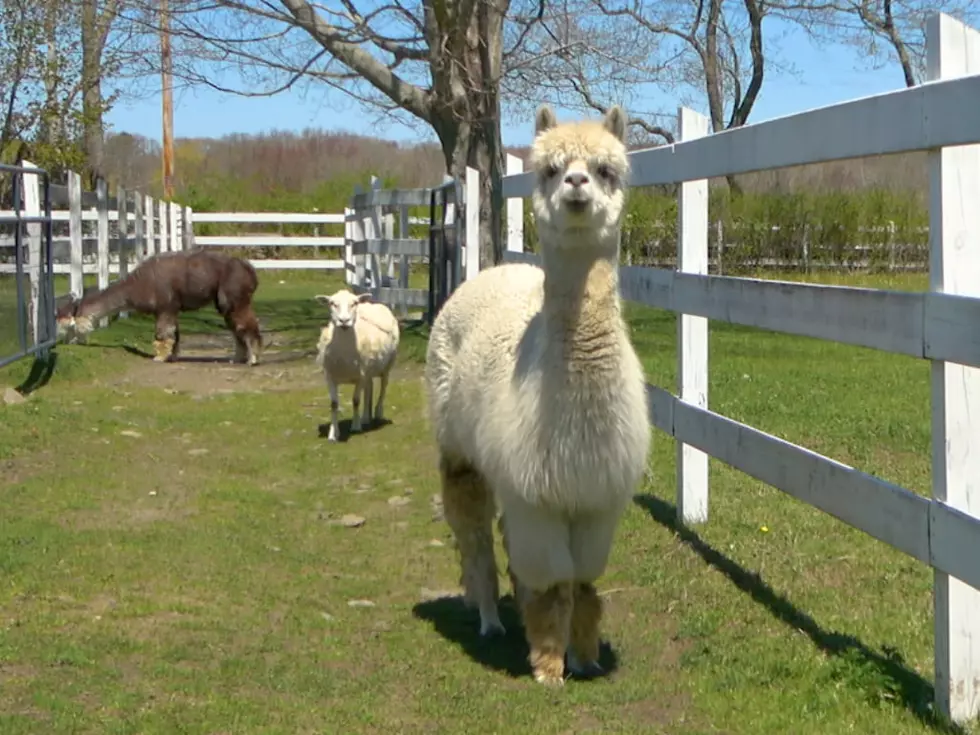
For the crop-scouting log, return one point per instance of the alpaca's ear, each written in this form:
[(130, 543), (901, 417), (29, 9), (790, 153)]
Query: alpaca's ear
[(615, 121), (544, 118), (364, 298), (323, 299)]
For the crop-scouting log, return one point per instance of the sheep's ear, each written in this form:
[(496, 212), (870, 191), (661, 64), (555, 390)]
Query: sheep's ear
[(322, 299), (544, 118), (364, 298), (615, 121)]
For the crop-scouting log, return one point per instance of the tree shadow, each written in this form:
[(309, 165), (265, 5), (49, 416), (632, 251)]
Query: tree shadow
[(343, 427), (507, 653), (903, 684)]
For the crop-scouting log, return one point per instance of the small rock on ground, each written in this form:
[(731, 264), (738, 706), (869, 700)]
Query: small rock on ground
[(398, 501), (436, 543), (351, 521), (12, 397), (198, 452), (360, 603), (130, 433)]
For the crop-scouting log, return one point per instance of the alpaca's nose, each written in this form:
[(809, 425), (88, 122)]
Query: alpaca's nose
[(576, 178)]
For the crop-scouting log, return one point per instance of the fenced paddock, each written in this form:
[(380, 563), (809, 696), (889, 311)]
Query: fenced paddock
[(943, 117)]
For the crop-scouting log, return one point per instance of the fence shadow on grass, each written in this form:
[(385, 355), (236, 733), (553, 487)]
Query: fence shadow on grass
[(904, 684), (508, 653)]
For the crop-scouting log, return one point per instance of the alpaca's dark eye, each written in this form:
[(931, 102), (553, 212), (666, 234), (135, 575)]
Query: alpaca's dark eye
[(605, 172), (551, 172)]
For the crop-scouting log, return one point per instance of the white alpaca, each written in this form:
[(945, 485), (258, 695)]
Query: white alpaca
[(359, 344), (538, 401)]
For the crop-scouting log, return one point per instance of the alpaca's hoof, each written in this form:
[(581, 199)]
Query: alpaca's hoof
[(549, 679), (492, 628), (584, 669)]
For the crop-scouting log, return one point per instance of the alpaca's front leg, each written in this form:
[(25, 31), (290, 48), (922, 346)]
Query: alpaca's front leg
[(547, 622), (334, 406)]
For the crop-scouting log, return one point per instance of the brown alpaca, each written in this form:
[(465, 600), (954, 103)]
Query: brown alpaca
[(168, 284)]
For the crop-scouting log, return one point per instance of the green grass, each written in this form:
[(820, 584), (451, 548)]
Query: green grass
[(152, 587)]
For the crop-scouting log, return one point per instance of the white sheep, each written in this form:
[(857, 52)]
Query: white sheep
[(538, 402), (359, 344)]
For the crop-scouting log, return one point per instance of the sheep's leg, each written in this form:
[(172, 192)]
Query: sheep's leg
[(379, 410), (591, 540), (368, 398), (334, 406), (468, 505), (547, 624), (355, 423)]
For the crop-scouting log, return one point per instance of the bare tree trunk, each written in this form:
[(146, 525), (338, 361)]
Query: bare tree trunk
[(92, 102)]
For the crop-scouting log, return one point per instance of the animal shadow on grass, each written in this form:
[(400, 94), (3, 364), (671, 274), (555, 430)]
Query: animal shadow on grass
[(41, 371), (892, 678), (343, 428), (508, 653)]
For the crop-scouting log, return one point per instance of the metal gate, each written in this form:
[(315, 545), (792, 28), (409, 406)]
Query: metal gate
[(27, 315), (445, 268)]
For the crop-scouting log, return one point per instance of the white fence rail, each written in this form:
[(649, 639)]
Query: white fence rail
[(941, 116)]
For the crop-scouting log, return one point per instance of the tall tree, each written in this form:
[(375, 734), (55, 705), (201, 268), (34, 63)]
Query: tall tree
[(440, 62)]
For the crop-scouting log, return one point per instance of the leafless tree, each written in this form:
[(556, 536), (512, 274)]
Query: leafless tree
[(439, 63)]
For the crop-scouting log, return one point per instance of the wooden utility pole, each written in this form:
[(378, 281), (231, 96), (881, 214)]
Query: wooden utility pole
[(168, 102)]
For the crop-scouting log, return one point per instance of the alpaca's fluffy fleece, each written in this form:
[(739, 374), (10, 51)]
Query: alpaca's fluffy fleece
[(359, 343), (538, 399)]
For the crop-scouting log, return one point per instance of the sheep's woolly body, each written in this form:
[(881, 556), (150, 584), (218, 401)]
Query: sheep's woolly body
[(368, 349), (538, 401), (359, 343)]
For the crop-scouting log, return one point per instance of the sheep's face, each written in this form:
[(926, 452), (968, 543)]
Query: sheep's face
[(581, 172), (343, 307)]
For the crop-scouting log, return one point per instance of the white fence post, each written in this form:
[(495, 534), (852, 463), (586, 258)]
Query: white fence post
[(349, 245), (162, 226), (377, 277), (187, 229), (472, 196), (403, 232), (102, 238), (139, 243), (32, 208), (515, 210), (692, 331), (357, 232), (173, 210), (149, 211), (953, 50), (122, 230), (76, 252)]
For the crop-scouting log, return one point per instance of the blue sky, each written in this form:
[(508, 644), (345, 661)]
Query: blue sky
[(824, 76)]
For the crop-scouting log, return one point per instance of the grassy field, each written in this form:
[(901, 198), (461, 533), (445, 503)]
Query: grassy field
[(174, 558)]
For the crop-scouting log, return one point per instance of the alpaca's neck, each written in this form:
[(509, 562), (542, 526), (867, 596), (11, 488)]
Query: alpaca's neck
[(582, 306), (107, 302)]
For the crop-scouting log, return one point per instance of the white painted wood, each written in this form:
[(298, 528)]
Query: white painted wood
[(414, 297), (139, 232), (123, 238), (890, 513), (31, 186), (173, 229), (891, 321), (403, 266), (349, 245), (163, 225), (188, 240), (389, 234), (389, 247), (953, 50), (259, 240), (515, 210), (358, 233), (914, 119), (377, 231), (472, 194), (102, 231), (76, 283), (272, 218), (309, 265), (149, 211), (692, 331), (390, 198)]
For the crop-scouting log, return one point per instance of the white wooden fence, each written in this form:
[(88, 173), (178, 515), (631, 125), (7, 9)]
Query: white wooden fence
[(943, 117)]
